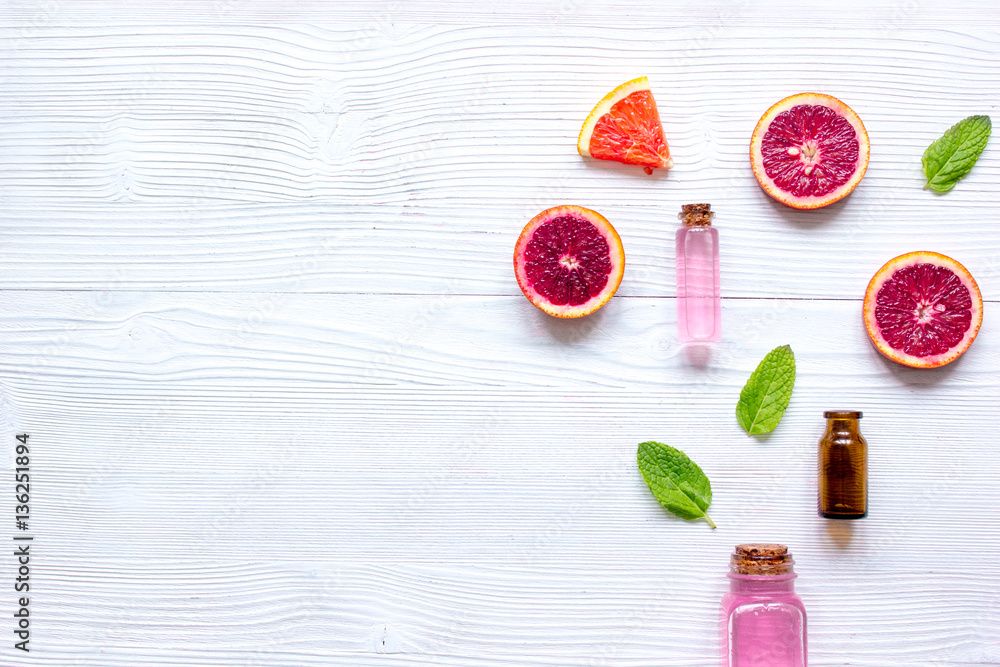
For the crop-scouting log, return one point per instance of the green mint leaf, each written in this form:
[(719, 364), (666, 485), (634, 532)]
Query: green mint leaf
[(951, 157), (676, 481), (766, 394)]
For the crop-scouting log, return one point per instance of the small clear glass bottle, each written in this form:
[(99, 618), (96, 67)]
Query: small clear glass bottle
[(699, 300), (763, 620), (843, 467)]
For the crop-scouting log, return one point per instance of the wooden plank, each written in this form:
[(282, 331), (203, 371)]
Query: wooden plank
[(373, 18), (455, 613), (445, 340), (322, 520), (355, 251), (299, 160)]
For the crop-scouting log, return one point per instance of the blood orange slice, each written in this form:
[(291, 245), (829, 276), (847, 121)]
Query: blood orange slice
[(625, 127), (569, 261), (809, 150), (923, 309)]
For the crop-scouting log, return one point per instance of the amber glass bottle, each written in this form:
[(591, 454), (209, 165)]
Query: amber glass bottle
[(843, 468)]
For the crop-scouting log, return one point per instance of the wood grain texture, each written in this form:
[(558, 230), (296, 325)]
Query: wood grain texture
[(310, 522), (447, 340), (303, 159), (291, 517), (288, 407)]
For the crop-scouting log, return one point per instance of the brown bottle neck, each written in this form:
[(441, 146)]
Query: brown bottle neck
[(842, 420)]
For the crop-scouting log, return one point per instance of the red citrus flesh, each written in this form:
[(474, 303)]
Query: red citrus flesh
[(809, 150), (569, 261), (625, 127), (923, 309)]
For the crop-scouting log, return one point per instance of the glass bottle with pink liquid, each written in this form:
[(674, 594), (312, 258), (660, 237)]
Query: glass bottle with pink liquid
[(763, 620), (699, 303)]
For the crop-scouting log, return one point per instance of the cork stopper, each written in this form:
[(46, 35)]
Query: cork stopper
[(757, 559), (696, 215)]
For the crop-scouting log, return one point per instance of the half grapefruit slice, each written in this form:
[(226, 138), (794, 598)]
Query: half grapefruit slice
[(569, 261), (923, 309), (809, 150), (625, 127)]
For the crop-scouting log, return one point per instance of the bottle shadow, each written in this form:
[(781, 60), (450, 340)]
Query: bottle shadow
[(840, 532), (698, 355)]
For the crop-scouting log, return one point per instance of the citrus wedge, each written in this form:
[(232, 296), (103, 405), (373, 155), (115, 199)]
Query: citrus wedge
[(625, 127), (809, 150), (923, 309), (569, 261)]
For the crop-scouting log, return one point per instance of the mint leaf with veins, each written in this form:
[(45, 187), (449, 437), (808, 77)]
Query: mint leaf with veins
[(767, 393), (950, 158), (676, 481)]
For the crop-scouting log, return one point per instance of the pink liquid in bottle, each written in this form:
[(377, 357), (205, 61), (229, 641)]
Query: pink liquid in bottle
[(763, 620), (699, 303)]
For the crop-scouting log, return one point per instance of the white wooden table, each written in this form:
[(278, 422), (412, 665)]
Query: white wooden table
[(287, 406)]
